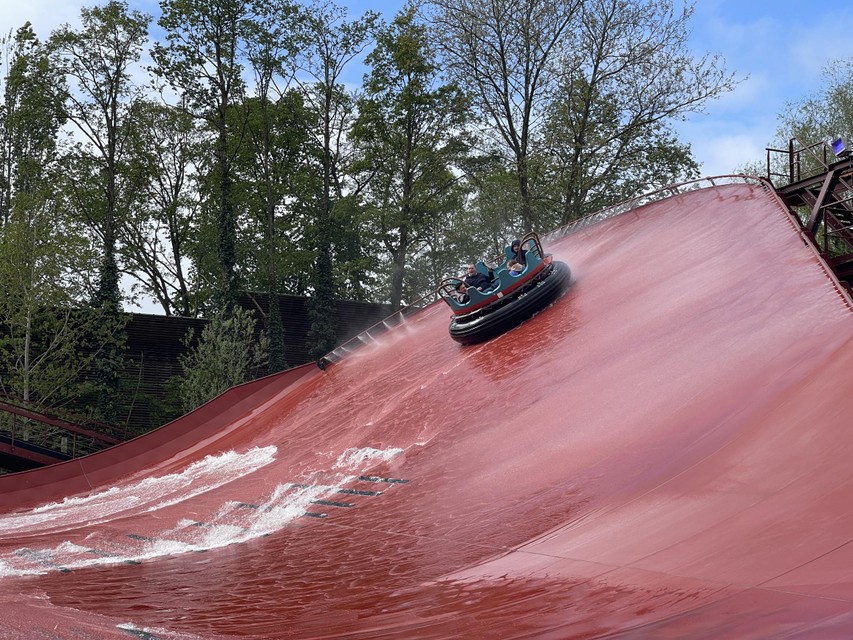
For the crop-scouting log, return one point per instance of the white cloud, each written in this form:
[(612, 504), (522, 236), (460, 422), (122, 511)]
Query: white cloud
[(722, 145), (783, 50), (728, 153), (44, 15)]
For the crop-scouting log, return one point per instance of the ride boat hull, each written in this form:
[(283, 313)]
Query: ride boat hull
[(510, 311)]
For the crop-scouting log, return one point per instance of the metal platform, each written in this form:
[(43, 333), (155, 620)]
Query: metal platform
[(818, 186)]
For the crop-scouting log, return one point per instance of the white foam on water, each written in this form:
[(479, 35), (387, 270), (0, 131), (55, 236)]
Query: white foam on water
[(232, 523), (356, 458), (158, 491), (155, 632), (285, 505)]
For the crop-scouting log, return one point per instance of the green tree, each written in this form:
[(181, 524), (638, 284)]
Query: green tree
[(99, 60), (411, 135), (332, 44), (30, 118), (227, 353), (160, 230), (493, 213), (275, 139), (818, 118), (598, 154), (802, 147), (44, 259), (278, 186), (274, 249), (202, 61), (44, 351)]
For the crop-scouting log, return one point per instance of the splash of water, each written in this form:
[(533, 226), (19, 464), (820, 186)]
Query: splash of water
[(156, 491), (356, 458), (232, 522)]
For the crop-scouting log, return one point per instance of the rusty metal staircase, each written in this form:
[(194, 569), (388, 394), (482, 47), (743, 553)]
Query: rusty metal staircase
[(816, 182)]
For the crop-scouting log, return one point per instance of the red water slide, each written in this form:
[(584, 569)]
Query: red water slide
[(664, 452)]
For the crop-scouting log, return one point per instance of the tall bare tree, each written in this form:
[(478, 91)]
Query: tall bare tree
[(596, 83), (626, 75), (505, 54), (158, 234)]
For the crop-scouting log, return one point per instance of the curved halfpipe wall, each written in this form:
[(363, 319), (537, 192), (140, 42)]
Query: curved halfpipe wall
[(662, 453)]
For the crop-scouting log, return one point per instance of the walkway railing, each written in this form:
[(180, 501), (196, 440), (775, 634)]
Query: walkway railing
[(801, 160), (30, 431)]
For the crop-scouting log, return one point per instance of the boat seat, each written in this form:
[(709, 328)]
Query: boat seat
[(482, 268)]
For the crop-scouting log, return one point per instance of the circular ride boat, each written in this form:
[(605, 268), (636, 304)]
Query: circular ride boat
[(511, 298)]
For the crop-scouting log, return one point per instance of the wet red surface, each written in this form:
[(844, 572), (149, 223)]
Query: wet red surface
[(662, 453)]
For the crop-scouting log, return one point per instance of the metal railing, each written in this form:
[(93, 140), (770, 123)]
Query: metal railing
[(648, 198), (29, 429), (827, 215), (803, 160)]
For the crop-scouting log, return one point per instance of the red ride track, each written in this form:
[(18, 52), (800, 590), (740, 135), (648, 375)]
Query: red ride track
[(663, 453)]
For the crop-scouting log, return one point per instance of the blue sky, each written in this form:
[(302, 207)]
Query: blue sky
[(779, 48)]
